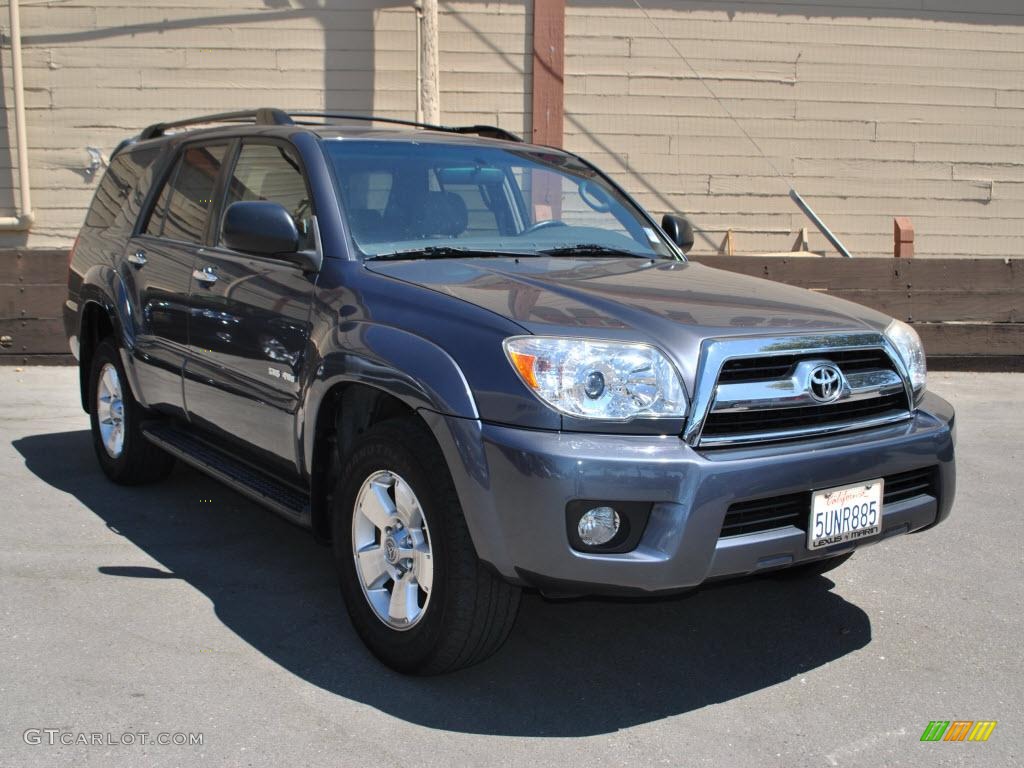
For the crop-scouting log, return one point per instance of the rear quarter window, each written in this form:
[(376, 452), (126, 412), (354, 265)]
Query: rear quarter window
[(118, 199)]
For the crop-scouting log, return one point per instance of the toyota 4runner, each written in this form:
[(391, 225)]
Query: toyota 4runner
[(473, 365)]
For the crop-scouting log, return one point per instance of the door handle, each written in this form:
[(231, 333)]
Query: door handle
[(138, 258), (207, 275)]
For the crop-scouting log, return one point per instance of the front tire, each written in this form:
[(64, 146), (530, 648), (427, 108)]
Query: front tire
[(125, 455), (415, 590)]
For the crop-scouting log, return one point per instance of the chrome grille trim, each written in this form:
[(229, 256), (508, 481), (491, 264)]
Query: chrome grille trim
[(831, 428), (716, 352), (791, 393)]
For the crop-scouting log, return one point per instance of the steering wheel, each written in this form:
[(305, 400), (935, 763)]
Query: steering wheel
[(546, 224)]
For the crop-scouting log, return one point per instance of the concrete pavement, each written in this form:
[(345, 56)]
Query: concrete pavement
[(184, 608)]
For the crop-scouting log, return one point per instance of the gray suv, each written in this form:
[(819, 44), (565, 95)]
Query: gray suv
[(471, 365)]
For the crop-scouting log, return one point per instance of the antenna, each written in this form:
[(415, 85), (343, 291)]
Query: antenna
[(793, 194)]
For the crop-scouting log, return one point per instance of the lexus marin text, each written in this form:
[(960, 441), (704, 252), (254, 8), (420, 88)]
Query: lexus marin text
[(472, 365)]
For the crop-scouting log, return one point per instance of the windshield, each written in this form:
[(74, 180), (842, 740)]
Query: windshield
[(419, 200)]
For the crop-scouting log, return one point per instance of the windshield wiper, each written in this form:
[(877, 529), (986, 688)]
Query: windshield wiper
[(446, 252), (592, 249)]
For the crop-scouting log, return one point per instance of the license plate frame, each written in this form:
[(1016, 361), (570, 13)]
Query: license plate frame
[(861, 503)]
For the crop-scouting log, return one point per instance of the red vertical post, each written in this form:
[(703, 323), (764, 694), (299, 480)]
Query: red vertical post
[(548, 71), (903, 238), (548, 102)]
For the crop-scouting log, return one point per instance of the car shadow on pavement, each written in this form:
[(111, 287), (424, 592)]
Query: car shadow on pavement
[(572, 668)]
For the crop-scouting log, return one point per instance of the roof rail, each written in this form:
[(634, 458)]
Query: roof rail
[(487, 131), (269, 116), (264, 116)]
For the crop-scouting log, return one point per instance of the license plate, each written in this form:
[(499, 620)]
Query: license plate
[(847, 513)]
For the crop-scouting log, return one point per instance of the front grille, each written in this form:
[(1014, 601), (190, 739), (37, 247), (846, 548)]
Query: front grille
[(771, 367), (794, 509), (728, 424)]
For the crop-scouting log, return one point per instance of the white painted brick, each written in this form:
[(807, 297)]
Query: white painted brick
[(967, 134), (1013, 99), (872, 109), (895, 172)]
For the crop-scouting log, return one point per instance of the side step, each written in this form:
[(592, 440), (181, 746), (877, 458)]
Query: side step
[(287, 501)]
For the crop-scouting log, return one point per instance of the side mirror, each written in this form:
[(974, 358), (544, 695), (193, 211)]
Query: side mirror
[(679, 230), (264, 228)]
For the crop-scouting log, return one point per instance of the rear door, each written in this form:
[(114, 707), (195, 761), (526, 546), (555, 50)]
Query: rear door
[(249, 319), (158, 272)]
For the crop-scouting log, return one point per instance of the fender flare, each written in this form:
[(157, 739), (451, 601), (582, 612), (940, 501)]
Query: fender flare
[(399, 363), (104, 287)]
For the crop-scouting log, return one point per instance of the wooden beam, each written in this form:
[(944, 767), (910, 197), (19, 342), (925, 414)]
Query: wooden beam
[(964, 309), (33, 336), (902, 238), (972, 339), (548, 71)]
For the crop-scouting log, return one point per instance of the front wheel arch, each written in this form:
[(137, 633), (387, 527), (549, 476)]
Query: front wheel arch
[(346, 411)]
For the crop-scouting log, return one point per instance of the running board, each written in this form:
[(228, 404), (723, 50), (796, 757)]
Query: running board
[(287, 501)]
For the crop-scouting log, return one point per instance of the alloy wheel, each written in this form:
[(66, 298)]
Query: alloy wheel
[(391, 547), (110, 411)]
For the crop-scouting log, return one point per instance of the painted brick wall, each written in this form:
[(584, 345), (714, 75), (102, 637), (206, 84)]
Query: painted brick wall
[(874, 107), (96, 72)]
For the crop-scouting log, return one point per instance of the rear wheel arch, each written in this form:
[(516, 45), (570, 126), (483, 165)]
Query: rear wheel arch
[(97, 324)]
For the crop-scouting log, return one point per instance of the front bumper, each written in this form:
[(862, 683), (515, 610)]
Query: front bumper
[(514, 485)]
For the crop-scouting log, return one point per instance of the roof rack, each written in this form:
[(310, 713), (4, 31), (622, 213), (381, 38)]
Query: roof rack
[(263, 116), (487, 131), (269, 116)]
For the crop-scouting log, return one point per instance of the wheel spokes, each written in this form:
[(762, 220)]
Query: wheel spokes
[(378, 507), (404, 605), (406, 505), (422, 570), (372, 566), (111, 384)]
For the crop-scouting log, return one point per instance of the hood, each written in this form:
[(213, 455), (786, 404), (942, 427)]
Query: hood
[(672, 304)]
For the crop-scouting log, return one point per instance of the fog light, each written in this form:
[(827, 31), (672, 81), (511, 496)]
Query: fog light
[(598, 526)]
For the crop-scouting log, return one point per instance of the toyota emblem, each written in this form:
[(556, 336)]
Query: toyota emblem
[(826, 383)]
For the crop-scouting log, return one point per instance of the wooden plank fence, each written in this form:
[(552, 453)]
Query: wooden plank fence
[(970, 312)]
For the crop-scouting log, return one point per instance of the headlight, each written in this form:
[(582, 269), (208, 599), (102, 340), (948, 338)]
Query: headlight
[(611, 380), (908, 344)]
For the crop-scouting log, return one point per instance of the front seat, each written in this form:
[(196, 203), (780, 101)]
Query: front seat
[(443, 214)]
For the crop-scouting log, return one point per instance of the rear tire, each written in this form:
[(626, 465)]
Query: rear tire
[(396, 501), (812, 569), (125, 455)]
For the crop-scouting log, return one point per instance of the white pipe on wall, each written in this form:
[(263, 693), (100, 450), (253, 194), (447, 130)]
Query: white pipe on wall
[(24, 219), (418, 8), (430, 96)]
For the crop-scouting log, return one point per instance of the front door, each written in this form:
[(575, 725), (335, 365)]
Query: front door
[(249, 320)]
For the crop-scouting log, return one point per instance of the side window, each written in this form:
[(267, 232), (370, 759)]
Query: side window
[(114, 204), (185, 201), (272, 172)]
